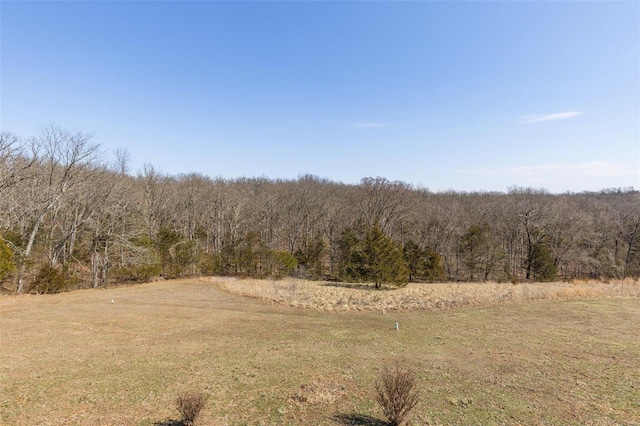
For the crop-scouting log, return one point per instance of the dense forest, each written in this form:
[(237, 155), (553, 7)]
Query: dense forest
[(71, 218)]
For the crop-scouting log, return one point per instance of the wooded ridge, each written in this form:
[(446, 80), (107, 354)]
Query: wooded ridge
[(68, 218)]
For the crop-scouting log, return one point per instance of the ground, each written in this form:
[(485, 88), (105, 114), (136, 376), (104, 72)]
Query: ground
[(121, 356)]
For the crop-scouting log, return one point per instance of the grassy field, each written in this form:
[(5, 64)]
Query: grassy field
[(79, 359)]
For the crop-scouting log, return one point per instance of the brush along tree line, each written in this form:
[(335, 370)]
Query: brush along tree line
[(68, 206)]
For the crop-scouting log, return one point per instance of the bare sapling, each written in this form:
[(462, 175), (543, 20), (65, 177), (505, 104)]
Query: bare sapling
[(189, 405), (396, 393)]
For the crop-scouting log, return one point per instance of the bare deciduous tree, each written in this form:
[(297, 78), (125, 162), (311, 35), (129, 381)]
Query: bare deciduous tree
[(61, 205)]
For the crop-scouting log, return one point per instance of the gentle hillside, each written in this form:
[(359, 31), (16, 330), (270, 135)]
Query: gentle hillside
[(80, 359)]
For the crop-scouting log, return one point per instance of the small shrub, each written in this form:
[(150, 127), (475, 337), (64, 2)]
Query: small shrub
[(6, 259), (51, 280), (396, 394), (279, 264), (142, 273), (189, 405)]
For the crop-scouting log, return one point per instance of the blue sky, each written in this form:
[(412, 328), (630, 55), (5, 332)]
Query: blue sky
[(446, 95)]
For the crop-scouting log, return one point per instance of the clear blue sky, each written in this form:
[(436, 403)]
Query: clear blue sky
[(457, 95)]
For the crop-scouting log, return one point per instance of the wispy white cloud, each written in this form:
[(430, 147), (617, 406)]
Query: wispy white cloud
[(550, 117), (374, 124), (627, 54), (596, 169)]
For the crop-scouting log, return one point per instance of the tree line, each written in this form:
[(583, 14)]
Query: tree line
[(69, 217)]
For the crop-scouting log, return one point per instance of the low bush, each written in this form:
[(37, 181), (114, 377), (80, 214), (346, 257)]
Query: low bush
[(396, 393), (189, 405), (51, 280), (141, 273)]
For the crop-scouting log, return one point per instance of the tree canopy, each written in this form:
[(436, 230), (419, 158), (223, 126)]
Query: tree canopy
[(64, 204)]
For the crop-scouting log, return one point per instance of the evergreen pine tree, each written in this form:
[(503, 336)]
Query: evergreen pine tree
[(351, 262), (542, 263), (423, 264), (412, 256), (6, 259), (383, 261), (431, 265)]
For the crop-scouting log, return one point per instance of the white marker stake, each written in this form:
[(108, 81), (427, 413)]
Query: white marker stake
[(397, 327)]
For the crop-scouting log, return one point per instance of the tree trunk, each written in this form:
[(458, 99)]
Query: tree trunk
[(25, 255)]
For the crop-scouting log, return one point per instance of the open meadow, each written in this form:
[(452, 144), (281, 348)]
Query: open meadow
[(485, 354)]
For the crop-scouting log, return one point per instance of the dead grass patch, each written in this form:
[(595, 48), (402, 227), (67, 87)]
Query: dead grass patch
[(328, 296), (318, 392)]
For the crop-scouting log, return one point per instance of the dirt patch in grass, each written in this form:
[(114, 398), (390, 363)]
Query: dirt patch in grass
[(79, 359)]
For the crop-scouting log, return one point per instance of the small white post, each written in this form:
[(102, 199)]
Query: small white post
[(397, 327)]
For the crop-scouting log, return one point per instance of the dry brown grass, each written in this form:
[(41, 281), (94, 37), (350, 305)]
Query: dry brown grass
[(78, 359), (328, 296)]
